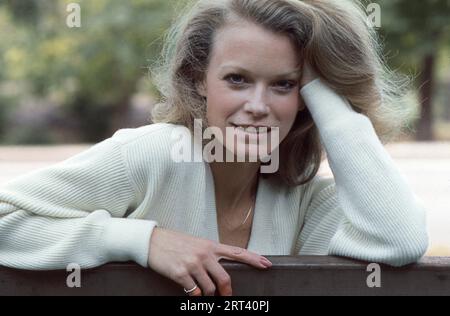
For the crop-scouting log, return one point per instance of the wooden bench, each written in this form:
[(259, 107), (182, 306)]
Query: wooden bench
[(309, 275)]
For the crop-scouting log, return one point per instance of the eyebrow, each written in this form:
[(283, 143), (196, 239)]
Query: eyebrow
[(243, 70)]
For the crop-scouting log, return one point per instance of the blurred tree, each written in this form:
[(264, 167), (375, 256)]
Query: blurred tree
[(23, 10), (416, 31), (92, 71)]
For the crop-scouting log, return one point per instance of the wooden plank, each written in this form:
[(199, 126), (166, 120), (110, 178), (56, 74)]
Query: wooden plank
[(304, 275)]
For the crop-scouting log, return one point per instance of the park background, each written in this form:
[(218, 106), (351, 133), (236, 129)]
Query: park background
[(63, 89)]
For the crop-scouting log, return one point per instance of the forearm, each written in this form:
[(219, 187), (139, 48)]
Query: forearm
[(380, 208), (43, 243)]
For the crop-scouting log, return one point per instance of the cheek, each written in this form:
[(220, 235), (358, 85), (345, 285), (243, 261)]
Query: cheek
[(221, 105), (286, 112), (287, 109)]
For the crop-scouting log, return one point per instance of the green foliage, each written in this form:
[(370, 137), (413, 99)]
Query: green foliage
[(98, 64), (412, 29)]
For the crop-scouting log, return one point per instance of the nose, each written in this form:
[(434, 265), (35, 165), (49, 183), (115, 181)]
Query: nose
[(258, 102)]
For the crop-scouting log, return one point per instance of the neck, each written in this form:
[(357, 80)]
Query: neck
[(234, 181)]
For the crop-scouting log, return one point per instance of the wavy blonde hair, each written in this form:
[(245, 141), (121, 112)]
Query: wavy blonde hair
[(333, 36)]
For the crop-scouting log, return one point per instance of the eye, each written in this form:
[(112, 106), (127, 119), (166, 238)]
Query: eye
[(230, 78), (287, 85)]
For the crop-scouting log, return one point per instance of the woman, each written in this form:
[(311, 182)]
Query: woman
[(308, 69)]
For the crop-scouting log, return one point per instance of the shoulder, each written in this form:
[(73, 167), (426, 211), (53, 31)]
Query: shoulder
[(318, 192), (153, 141), (319, 185), (147, 153), (155, 132), (150, 149)]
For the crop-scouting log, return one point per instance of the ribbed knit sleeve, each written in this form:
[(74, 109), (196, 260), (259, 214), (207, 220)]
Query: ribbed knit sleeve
[(72, 212), (368, 212)]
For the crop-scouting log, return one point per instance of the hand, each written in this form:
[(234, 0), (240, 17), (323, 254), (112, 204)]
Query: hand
[(308, 74), (188, 260)]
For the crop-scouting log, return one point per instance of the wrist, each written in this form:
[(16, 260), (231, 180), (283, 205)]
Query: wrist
[(307, 81)]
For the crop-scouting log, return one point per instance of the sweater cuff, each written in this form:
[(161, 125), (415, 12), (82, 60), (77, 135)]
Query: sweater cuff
[(128, 239), (325, 105)]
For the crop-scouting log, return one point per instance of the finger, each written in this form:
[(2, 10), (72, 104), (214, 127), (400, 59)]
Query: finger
[(197, 292), (242, 255), (188, 283), (204, 282), (221, 278)]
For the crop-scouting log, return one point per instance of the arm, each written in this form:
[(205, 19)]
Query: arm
[(369, 213), (71, 213)]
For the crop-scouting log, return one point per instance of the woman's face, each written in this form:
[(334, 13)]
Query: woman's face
[(253, 78)]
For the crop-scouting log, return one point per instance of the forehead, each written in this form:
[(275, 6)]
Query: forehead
[(250, 46)]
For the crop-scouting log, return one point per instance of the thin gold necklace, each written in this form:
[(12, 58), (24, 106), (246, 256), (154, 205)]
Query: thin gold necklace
[(246, 217), (253, 200), (249, 212), (255, 191)]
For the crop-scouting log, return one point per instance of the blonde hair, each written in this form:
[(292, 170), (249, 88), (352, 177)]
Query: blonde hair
[(333, 36)]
